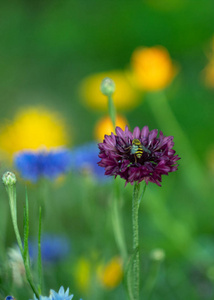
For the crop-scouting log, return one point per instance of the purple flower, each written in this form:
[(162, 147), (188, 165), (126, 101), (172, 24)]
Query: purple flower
[(138, 156)]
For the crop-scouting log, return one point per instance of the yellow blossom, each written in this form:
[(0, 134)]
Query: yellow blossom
[(208, 71), (125, 95), (152, 68), (208, 74), (32, 128), (110, 274), (83, 274), (104, 126)]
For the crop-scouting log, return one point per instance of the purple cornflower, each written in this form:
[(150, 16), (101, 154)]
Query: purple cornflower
[(33, 165), (138, 156)]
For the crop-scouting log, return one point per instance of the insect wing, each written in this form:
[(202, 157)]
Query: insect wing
[(145, 149)]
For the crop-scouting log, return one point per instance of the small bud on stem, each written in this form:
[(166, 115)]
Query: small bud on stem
[(9, 179), (107, 86)]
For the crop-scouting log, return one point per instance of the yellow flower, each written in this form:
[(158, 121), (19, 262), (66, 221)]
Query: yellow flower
[(104, 126), (208, 71), (125, 96), (32, 128), (110, 274), (83, 274), (208, 74), (152, 68)]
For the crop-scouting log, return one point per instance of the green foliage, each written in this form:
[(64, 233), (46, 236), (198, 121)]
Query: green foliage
[(47, 48)]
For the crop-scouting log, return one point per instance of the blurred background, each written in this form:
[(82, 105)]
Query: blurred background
[(53, 56)]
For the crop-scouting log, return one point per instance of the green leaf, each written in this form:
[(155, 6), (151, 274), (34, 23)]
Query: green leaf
[(26, 228), (39, 251), (128, 273)]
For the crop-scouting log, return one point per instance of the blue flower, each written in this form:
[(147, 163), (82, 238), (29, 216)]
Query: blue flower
[(85, 158), (61, 295), (53, 248), (49, 164), (9, 298), (41, 298)]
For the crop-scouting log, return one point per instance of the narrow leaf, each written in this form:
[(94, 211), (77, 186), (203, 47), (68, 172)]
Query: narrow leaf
[(26, 228), (39, 251), (128, 274)]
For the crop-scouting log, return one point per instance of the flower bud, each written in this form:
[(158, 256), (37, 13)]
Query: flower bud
[(157, 254), (107, 86), (9, 179)]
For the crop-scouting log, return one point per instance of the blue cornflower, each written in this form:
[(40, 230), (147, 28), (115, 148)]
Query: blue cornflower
[(41, 298), (53, 248), (85, 158), (33, 165), (61, 295)]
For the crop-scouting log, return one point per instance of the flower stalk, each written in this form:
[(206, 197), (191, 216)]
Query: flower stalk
[(112, 111), (135, 228), (11, 190), (141, 155), (194, 174), (108, 88), (9, 180), (40, 252), (117, 223)]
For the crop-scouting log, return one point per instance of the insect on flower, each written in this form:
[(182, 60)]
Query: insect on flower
[(154, 155), (137, 149)]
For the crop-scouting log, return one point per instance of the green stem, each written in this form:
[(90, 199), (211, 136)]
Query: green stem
[(116, 215), (135, 227), (3, 226), (43, 191), (12, 201), (152, 279), (117, 225), (26, 229), (193, 173), (30, 280), (39, 251), (112, 111)]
